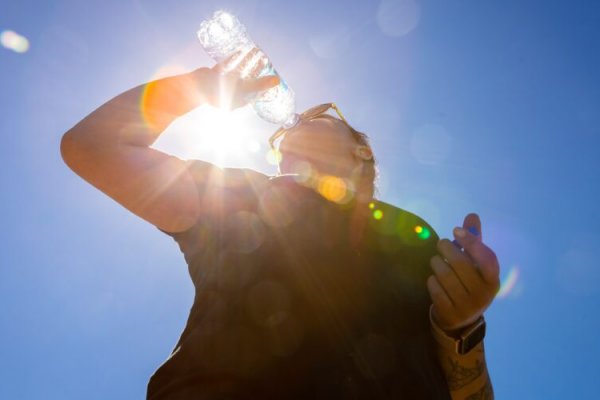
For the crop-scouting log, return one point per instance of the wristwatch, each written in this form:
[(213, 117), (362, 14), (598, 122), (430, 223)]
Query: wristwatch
[(464, 341)]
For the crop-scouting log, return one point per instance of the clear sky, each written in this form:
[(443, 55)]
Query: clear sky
[(473, 106)]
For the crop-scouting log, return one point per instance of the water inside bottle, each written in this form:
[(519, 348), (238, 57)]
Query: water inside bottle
[(224, 36), (275, 105)]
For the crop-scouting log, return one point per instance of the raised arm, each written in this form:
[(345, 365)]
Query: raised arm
[(110, 148), (465, 282)]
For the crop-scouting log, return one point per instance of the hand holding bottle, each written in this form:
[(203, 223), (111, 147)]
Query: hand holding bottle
[(228, 88), (226, 40)]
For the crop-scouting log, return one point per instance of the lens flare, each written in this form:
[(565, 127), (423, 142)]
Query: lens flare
[(334, 189), (274, 157), (274, 207), (159, 95), (508, 283), (422, 232), (378, 214), (246, 230), (304, 173), (13, 41), (398, 17)]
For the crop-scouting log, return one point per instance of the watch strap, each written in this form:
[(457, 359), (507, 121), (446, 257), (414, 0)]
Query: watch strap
[(468, 337)]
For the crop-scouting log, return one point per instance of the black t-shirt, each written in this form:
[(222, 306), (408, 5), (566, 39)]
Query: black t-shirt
[(286, 307)]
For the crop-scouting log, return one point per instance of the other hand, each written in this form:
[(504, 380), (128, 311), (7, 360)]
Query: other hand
[(466, 277)]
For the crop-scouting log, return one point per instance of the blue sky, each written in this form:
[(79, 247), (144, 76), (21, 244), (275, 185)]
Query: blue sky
[(489, 107)]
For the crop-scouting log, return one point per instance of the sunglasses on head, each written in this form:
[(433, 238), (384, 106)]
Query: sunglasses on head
[(307, 115)]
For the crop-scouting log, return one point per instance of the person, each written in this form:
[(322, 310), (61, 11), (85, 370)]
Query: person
[(306, 285)]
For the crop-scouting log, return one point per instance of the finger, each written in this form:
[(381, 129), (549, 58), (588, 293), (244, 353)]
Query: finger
[(482, 255), (439, 298), (472, 223), (462, 265), (236, 61), (257, 85), (250, 55), (258, 65), (248, 62), (447, 278), (229, 63)]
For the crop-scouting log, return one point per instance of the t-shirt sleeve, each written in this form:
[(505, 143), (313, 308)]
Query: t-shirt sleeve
[(405, 244), (399, 229)]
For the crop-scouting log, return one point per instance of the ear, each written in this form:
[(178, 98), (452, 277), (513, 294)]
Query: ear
[(363, 152)]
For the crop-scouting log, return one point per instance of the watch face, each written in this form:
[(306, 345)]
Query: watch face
[(472, 339)]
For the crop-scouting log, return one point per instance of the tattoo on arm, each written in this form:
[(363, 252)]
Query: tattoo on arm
[(485, 393), (459, 376)]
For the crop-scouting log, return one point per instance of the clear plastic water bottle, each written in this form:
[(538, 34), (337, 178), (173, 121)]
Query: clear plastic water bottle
[(222, 36)]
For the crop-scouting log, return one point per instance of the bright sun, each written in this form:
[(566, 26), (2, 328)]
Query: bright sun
[(225, 138)]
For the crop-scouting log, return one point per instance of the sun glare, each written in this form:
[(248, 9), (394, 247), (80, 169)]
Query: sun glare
[(216, 130), (225, 138)]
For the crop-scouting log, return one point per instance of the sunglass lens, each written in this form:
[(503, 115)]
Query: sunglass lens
[(317, 110)]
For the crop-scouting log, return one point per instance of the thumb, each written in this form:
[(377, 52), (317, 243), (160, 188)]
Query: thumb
[(472, 223)]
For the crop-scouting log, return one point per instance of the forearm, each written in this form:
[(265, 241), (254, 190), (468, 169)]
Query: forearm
[(467, 375), (138, 116)]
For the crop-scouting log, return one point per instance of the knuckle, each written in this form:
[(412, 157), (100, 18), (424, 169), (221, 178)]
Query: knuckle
[(441, 270), (444, 250), (496, 286), (490, 257), (435, 260), (493, 273), (439, 245), (496, 277), (442, 245), (445, 242), (484, 297), (479, 303)]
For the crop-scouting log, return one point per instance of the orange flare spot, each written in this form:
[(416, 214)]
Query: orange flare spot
[(333, 189), (163, 99)]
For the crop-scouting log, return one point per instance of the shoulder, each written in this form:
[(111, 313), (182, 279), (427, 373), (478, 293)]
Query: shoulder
[(392, 222), (207, 175)]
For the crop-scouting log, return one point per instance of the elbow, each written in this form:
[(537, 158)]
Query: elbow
[(67, 148), (71, 150)]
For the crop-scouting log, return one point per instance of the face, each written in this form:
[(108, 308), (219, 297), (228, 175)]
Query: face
[(325, 144)]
